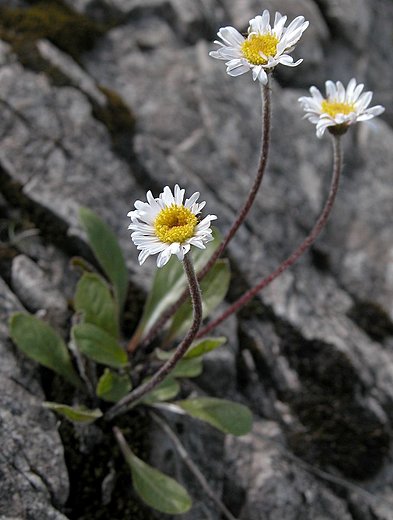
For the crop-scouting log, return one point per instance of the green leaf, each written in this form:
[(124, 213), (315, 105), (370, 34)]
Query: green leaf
[(78, 414), (188, 368), (165, 391), (214, 288), (93, 298), (203, 346), (112, 387), (156, 489), (185, 367), (197, 349), (41, 342), (169, 282), (107, 251), (227, 416), (99, 346)]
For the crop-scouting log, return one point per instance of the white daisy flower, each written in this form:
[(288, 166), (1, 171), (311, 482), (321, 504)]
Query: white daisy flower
[(341, 107), (167, 226), (263, 49)]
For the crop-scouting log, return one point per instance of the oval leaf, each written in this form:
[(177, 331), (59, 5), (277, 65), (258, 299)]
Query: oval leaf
[(93, 298), (203, 346), (167, 390), (40, 342), (213, 288), (112, 387), (78, 414), (169, 282), (99, 346), (156, 489), (191, 367), (188, 368), (227, 416), (107, 251)]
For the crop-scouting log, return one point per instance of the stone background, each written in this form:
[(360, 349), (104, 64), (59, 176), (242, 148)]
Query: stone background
[(114, 97)]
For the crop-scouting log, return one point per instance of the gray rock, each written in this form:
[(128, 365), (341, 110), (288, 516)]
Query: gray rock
[(36, 291), (314, 350), (71, 69), (378, 68), (350, 19), (54, 263), (275, 486), (32, 468), (69, 149)]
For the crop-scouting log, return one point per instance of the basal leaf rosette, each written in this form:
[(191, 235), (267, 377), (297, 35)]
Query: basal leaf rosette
[(340, 108), (168, 226), (264, 47)]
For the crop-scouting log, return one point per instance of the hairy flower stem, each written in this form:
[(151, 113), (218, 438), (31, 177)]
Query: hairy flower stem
[(308, 241), (136, 395), (168, 313)]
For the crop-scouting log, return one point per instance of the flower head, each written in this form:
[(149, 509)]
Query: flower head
[(341, 107), (263, 49), (167, 226)]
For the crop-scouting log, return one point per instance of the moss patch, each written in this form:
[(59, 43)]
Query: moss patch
[(373, 319), (338, 430), (339, 433), (119, 121), (70, 31)]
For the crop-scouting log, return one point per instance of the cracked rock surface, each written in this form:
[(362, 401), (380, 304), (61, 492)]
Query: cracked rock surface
[(312, 355)]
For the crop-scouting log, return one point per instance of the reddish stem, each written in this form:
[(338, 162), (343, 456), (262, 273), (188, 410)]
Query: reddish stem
[(309, 240)]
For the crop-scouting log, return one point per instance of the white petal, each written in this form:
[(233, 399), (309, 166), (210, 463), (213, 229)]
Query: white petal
[(238, 69), (199, 244), (262, 76), (226, 53), (330, 89), (179, 195), (194, 197), (357, 92), (279, 23), (143, 255), (163, 257), (230, 36), (197, 207), (295, 24), (340, 92), (316, 93), (260, 24), (217, 55), (375, 110), (363, 102), (350, 90), (371, 112), (167, 196)]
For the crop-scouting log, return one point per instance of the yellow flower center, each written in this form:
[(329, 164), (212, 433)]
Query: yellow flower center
[(333, 108), (175, 224), (257, 43)]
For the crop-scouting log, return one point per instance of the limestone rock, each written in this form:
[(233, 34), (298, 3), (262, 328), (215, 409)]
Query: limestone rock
[(31, 464), (36, 292), (275, 486), (71, 69), (312, 355)]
